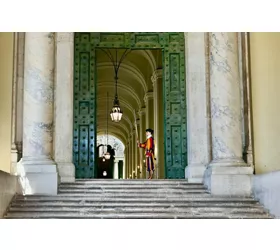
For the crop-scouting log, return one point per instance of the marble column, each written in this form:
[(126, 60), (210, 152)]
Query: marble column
[(142, 137), (116, 169), (130, 158), (198, 103), (227, 174), (126, 161), (63, 103), (137, 151), (37, 170), (149, 103), (158, 123), (133, 155)]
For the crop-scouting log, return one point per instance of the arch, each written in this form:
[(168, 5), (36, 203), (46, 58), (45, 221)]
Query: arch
[(114, 141), (124, 86), (112, 127), (127, 126), (117, 135), (149, 56), (128, 68)]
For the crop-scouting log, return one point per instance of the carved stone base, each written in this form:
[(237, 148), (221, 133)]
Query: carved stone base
[(38, 177), (66, 171), (195, 172), (14, 160), (229, 180)]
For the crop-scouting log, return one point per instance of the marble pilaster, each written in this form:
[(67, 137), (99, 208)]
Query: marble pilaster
[(14, 150), (17, 113), (63, 102), (116, 169), (126, 161), (227, 174), (142, 137), (198, 115), (158, 123), (133, 156), (130, 158), (149, 103), (37, 170), (137, 151)]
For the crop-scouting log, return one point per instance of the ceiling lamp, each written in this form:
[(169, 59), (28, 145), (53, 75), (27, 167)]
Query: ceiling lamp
[(116, 111)]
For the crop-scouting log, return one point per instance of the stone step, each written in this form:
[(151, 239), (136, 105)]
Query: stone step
[(86, 198), (131, 187), (134, 199), (59, 204), (132, 182), (126, 215), (192, 210), (131, 192), (129, 197)]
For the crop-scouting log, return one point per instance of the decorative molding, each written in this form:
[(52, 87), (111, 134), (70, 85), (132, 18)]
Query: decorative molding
[(148, 96), (142, 111), (156, 75)]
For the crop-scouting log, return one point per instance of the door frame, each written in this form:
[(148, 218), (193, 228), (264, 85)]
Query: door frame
[(174, 94)]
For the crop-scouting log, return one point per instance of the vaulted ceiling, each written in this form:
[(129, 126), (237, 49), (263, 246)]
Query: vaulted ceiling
[(134, 80)]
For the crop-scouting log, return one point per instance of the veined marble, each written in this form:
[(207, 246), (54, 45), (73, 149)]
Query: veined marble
[(227, 174), (37, 170), (38, 94), (225, 98), (199, 149), (63, 111)]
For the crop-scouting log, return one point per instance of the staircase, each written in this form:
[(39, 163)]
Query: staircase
[(139, 199)]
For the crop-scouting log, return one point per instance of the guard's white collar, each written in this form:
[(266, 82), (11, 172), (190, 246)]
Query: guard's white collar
[(149, 136)]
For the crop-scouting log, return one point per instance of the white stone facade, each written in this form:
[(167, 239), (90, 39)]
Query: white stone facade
[(215, 122)]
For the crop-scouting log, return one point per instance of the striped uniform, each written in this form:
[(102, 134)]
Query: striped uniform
[(149, 147)]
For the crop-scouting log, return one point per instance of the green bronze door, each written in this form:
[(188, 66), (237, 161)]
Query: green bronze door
[(174, 95)]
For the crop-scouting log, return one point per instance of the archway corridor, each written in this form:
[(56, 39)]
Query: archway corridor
[(151, 91), (140, 94)]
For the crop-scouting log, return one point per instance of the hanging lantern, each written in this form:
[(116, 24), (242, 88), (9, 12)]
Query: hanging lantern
[(116, 112)]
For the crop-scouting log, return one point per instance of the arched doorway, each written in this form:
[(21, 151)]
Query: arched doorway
[(112, 168), (88, 69)]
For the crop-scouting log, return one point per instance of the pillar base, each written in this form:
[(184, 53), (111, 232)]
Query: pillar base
[(38, 177), (194, 173), (14, 160), (229, 180), (66, 171)]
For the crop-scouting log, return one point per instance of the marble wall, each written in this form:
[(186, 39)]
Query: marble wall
[(8, 188)]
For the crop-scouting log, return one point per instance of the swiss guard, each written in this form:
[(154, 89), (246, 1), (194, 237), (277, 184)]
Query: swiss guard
[(149, 147)]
